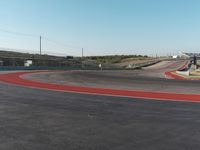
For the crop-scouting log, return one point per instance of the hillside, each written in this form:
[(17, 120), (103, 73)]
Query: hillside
[(10, 58)]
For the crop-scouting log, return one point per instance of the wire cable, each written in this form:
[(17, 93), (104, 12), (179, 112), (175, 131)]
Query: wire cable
[(18, 33)]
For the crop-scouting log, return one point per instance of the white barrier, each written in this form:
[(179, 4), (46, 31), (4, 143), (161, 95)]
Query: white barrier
[(187, 73)]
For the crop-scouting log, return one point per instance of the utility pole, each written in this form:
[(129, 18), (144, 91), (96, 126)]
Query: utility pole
[(82, 60), (40, 45)]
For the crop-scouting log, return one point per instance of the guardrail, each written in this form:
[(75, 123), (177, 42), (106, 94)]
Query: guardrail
[(80, 67), (185, 70)]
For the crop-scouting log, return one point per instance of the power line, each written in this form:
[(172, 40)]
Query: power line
[(43, 37), (32, 51), (17, 50), (60, 43), (40, 39), (18, 33), (22, 34)]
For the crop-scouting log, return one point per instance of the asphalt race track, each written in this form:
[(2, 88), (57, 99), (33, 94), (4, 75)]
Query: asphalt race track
[(44, 119)]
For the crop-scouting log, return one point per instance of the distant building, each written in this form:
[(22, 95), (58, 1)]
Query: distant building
[(175, 56), (28, 63)]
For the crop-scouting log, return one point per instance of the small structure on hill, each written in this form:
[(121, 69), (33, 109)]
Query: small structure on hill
[(175, 57), (28, 63)]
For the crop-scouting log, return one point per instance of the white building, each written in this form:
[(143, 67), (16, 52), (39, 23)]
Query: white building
[(28, 63)]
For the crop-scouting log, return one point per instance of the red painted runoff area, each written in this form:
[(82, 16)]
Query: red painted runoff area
[(15, 78), (172, 74)]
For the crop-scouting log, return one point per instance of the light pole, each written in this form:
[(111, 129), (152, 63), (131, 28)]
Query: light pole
[(40, 45)]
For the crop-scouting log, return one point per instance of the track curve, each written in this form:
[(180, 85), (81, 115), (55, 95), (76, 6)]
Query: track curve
[(17, 78), (32, 118)]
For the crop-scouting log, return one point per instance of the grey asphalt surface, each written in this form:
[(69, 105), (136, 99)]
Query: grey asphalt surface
[(32, 119), (144, 80)]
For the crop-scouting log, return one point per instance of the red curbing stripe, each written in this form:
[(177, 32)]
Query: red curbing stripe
[(14, 78), (171, 74), (174, 76)]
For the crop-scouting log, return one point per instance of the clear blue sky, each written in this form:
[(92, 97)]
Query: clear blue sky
[(103, 27)]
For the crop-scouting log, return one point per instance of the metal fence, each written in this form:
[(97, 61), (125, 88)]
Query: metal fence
[(77, 67), (9, 68)]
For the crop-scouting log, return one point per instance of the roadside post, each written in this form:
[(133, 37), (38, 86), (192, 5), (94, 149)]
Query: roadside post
[(195, 62)]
